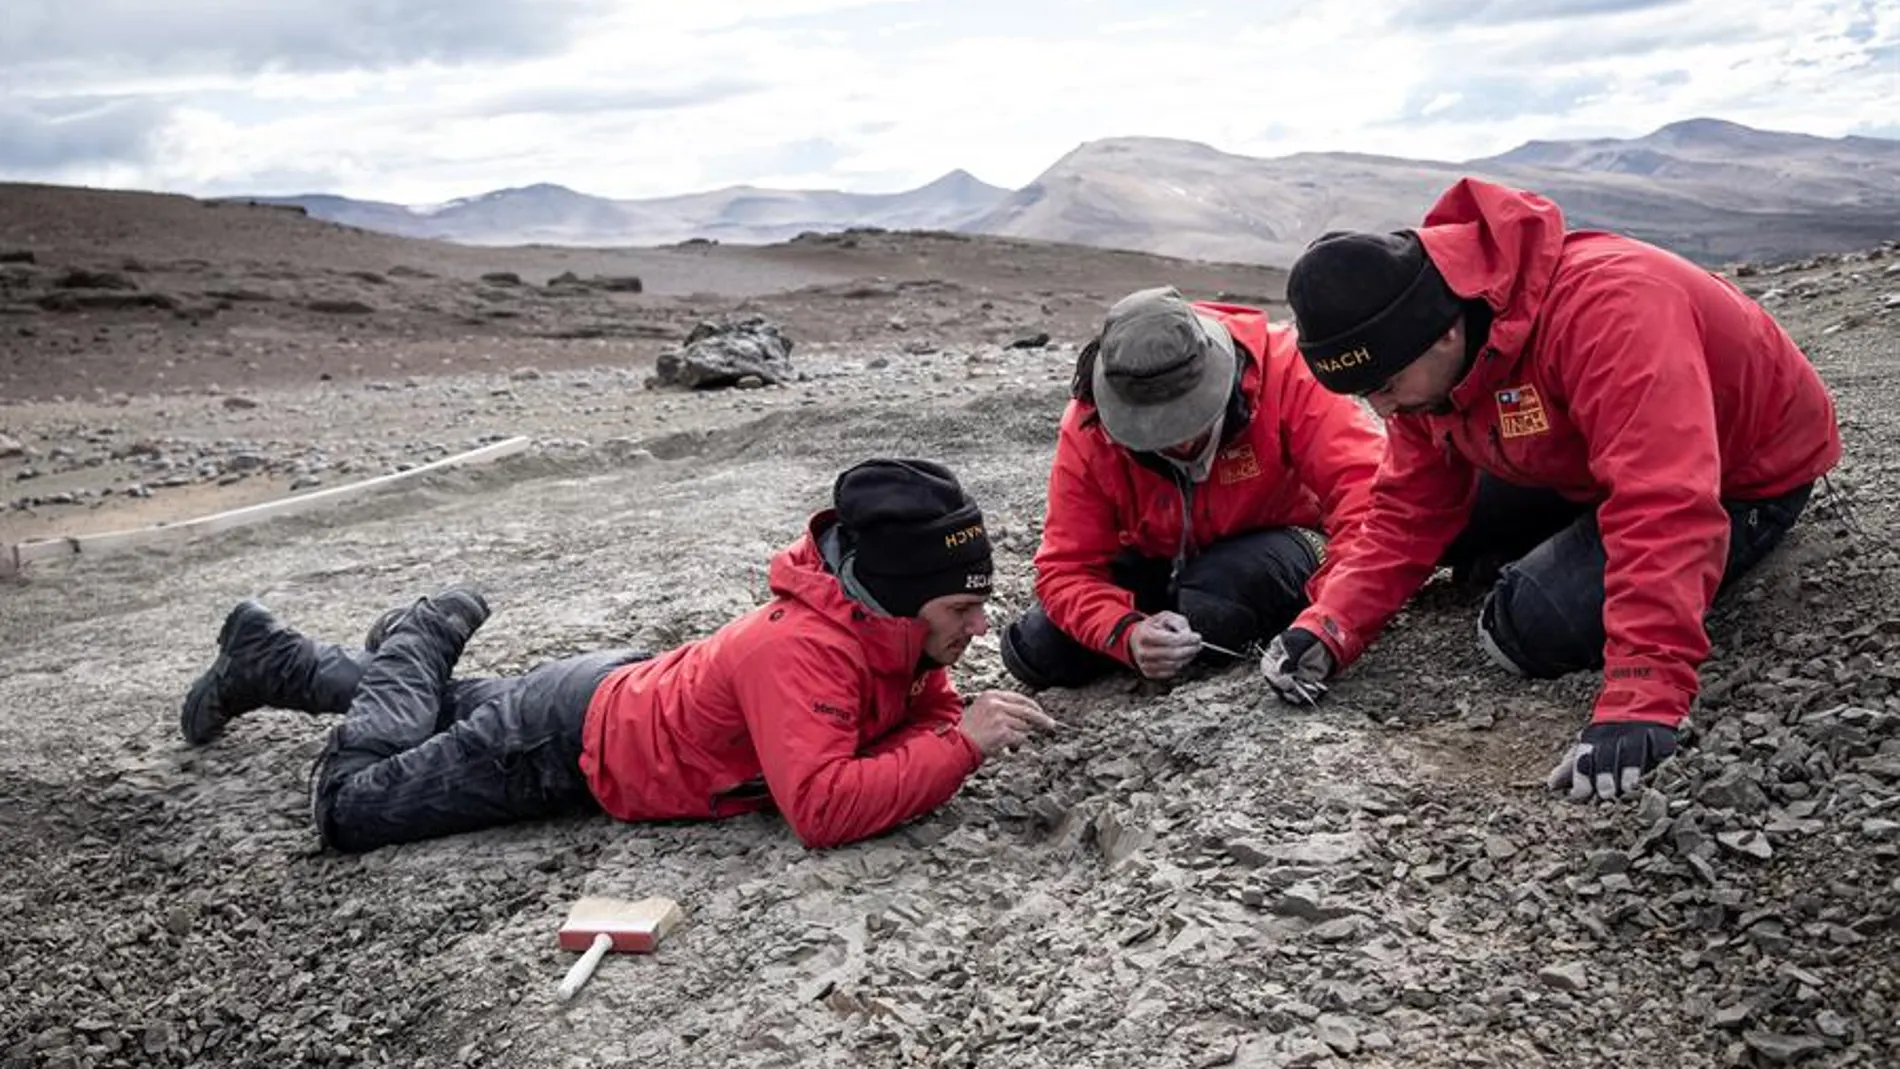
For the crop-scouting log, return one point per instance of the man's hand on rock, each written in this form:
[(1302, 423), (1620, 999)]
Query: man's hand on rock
[(1296, 664), (1610, 759), (1000, 720)]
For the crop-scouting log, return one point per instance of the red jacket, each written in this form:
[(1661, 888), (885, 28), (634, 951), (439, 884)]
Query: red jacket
[(810, 691), (1304, 458), (1618, 375)]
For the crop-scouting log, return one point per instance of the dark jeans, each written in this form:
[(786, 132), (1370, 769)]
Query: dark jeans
[(1544, 612), (420, 755), (1235, 592)]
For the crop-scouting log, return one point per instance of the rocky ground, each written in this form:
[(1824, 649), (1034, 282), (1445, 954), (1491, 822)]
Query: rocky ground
[(1194, 876)]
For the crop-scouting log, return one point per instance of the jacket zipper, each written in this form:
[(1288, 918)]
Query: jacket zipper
[(1183, 547), (1514, 474)]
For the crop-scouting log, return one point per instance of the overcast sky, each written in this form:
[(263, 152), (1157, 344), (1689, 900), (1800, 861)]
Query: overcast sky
[(418, 101)]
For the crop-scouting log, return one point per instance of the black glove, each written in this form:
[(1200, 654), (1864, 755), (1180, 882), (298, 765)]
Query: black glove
[(1296, 665), (1611, 758)]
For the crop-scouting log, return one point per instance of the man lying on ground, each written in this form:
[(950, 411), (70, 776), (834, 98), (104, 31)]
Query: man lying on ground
[(831, 702)]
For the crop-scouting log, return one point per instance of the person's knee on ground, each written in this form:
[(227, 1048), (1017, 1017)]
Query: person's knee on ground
[(1528, 633), (262, 662), (1041, 655)]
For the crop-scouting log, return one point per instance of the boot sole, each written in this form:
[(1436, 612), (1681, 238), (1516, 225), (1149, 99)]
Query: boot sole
[(200, 719)]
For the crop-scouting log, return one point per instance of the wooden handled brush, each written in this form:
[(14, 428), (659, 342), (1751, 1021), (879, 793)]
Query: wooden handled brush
[(599, 925)]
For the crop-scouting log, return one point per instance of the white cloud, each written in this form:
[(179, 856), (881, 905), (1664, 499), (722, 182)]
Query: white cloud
[(649, 98)]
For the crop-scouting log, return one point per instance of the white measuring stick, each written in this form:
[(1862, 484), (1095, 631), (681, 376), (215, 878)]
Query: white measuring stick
[(581, 970)]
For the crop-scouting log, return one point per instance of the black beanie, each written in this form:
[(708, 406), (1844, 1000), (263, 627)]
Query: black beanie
[(910, 533), (1366, 306)]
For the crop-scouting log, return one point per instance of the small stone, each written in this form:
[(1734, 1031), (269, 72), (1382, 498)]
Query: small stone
[(1653, 807), (1249, 853), (1341, 930), (1568, 977), (1498, 848), (1747, 843), (237, 404), (1783, 1049), (1324, 848), (1880, 831), (1608, 862), (525, 374), (1733, 789), (1300, 900), (1339, 1033)]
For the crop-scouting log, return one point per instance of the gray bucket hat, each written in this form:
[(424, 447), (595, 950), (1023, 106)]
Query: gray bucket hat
[(1164, 371)]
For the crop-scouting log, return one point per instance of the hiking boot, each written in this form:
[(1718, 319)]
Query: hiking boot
[(263, 662)]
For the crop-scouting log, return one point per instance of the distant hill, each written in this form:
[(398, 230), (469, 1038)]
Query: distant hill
[(1712, 190), (556, 215), (1732, 163)]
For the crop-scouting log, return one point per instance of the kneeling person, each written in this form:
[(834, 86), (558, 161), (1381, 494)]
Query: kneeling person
[(831, 702), (1661, 427), (1197, 464)]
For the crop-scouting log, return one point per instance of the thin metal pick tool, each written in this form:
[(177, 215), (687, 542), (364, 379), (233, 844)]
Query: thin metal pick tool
[(1224, 651), (1307, 693)]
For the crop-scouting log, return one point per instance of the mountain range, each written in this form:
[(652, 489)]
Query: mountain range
[(1714, 191)]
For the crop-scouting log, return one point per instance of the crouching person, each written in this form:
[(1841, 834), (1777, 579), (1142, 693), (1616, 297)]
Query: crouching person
[(831, 702), (1197, 465), (1652, 432)]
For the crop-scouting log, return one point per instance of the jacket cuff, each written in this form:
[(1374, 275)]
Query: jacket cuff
[(1119, 645), (1654, 703), (1340, 641), (972, 757)]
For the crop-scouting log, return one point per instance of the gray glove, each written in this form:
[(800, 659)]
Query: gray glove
[(1611, 759), (1296, 665)]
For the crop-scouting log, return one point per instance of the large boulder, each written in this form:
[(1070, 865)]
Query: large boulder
[(718, 355)]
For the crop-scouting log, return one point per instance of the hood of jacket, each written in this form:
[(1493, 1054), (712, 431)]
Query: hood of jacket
[(893, 645), (1500, 246)]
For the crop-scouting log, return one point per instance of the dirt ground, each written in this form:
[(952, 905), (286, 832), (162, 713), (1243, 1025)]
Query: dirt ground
[(1196, 876)]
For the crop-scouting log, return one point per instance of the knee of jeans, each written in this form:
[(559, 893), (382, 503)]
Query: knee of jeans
[(1022, 659), (1492, 645), (1220, 620), (1523, 633)]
